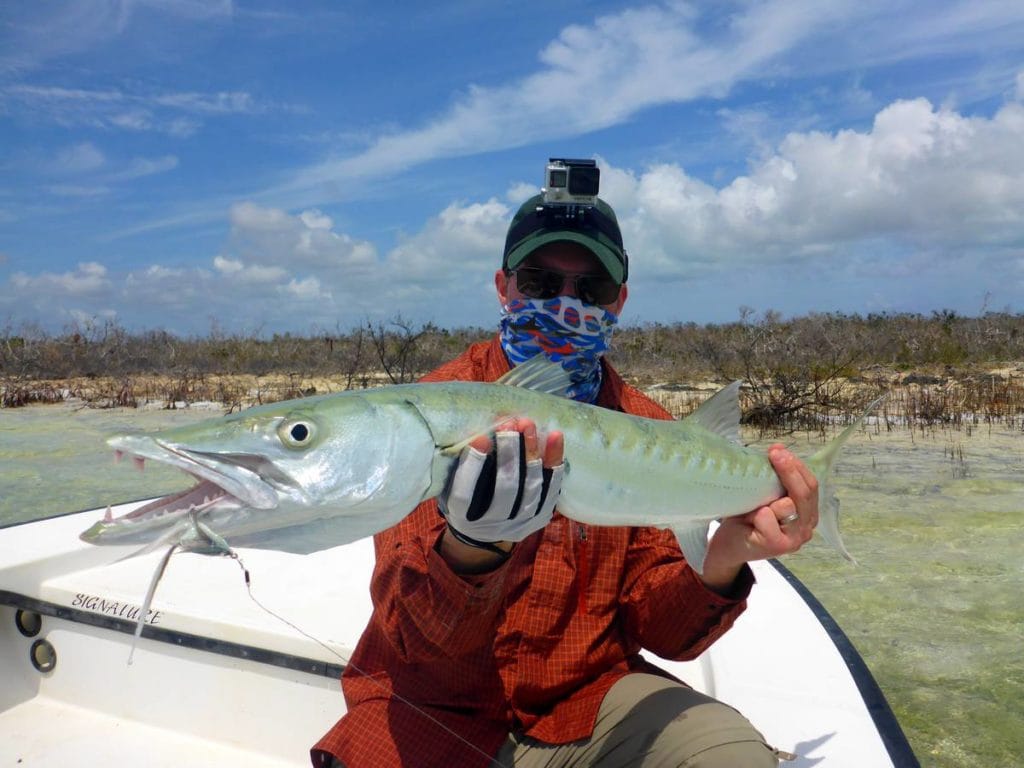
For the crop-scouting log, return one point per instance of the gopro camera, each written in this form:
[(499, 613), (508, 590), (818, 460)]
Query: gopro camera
[(571, 182)]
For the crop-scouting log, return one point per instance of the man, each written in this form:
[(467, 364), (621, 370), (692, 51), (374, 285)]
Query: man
[(505, 634)]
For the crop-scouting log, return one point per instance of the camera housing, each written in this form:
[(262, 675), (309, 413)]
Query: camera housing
[(568, 202), (571, 182)]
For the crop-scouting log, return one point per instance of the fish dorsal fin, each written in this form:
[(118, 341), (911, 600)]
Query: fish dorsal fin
[(720, 413), (540, 375)]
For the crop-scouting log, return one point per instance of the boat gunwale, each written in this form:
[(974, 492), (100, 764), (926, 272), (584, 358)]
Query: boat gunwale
[(177, 638), (889, 729)]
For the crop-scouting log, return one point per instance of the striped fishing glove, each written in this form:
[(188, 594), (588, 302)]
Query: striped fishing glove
[(499, 496)]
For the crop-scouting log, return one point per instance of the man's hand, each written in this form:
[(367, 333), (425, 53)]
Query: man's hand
[(769, 531), (502, 490)]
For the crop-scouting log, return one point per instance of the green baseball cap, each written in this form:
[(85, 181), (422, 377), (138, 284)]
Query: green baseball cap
[(537, 223)]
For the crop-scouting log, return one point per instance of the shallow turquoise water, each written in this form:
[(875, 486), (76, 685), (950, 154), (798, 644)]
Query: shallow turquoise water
[(935, 520), (53, 459), (936, 605)]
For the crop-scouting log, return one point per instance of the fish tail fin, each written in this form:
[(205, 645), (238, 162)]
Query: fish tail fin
[(822, 464)]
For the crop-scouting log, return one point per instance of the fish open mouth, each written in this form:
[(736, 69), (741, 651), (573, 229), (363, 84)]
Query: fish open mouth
[(222, 482), (245, 478), (200, 497), (203, 497)]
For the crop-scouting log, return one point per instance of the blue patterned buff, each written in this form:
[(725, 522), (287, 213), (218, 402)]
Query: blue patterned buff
[(567, 331)]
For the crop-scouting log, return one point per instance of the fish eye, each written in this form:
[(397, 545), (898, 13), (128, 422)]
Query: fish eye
[(296, 434)]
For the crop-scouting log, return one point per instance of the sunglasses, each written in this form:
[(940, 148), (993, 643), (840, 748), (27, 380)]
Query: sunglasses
[(539, 283)]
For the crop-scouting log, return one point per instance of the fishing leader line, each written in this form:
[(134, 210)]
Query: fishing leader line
[(348, 662)]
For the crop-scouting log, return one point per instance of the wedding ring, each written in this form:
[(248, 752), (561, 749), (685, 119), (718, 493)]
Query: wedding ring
[(789, 519)]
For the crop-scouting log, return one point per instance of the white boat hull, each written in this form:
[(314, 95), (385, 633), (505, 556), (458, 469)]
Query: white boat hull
[(217, 680)]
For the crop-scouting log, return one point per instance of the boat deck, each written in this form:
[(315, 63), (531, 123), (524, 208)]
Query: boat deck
[(218, 680)]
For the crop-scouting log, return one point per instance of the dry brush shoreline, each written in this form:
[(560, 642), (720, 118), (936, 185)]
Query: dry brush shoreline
[(814, 372)]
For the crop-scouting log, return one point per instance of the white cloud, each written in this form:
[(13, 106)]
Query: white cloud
[(315, 275), (34, 33), (145, 166), (90, 173), (307, 289), (273, 236), (89, 278), (315, 219), (227, 266), (79, 158), (923, 190), (463, 240), (182, 127), (82, 191), (221, 103), (604, 73), (519, 193), (279, 269), (250, 216), (921, 177), (596, 75), (159, 272), (132, 119), (238, 271), (178, 114)]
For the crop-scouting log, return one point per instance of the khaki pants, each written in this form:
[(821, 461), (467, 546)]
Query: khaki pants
[(648, 721)]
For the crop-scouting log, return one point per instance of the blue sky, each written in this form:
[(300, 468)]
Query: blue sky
[(273, 166)]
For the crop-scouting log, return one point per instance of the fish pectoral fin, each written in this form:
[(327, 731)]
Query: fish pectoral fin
[(455, 449), (693, 540), (539, 374)]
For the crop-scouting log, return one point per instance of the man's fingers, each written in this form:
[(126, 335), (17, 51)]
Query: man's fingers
[(785, 464), (530, 441), (794, 474), (551, 452), (481, 443), (766, 522), (810, 482), (554, 449)]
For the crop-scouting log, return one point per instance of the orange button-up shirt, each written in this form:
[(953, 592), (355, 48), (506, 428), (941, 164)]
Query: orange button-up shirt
[(449, 665)]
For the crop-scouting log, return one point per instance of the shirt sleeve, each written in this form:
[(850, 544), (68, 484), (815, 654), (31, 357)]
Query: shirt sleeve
[(666, 606), (423, 608)]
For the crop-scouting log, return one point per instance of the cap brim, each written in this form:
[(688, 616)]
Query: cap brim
[(611, 261)]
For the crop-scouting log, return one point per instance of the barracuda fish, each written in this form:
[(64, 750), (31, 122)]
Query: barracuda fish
[(308, 474)]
